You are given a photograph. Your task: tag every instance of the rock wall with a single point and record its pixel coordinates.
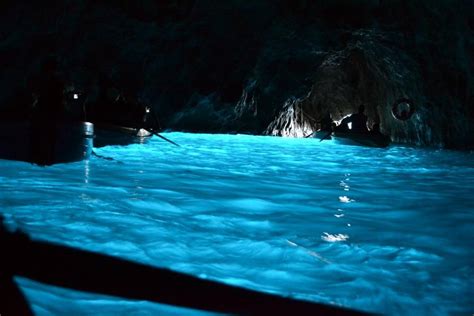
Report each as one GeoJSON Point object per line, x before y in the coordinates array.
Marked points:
{"type": "Point", "coordinates": [266, 66]}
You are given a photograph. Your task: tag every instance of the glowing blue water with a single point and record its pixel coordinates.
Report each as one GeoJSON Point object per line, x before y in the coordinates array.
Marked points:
{"type": "Point", "coordinates": [384, 230]}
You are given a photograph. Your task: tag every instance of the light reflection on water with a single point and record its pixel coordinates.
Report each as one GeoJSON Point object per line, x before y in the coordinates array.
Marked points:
{"type": "Point", "coordinates": [385, 230]}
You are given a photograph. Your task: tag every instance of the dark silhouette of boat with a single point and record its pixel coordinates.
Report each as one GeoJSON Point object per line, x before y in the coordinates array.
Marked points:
{"type": "Point", "coordinates": [46, 144]}
{"type": "Point", "coordinates": [322, 135]}
{"type": "Point", "coordinates": [369, 139]}
{"type": "Point", "coordinates": [82, 270]}
{"type": "Point", "coordinates": [361, 139]}
{"type": "Point", "coordinates": [109, 134]}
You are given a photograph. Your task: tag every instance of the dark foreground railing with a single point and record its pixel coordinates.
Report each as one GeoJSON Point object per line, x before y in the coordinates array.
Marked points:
{"type": "Point", "coordinates": [91, 272]}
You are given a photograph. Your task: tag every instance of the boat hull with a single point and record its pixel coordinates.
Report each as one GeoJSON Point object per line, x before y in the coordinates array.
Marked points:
{"type": "Point", "coordinates": [46, 145]}
{"type": "Point", "coordinates": [361, 139]}
{"type": "Point", "coordinates": [109, 135]}
{"type": "Point", "coordinates": [322, 135]}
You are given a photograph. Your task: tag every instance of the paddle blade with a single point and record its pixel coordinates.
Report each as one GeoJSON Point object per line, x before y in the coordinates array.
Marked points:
{"type": "Point", "coordinates": [164, 138]}
{"type": "Point", "coordinates": [325, 137]}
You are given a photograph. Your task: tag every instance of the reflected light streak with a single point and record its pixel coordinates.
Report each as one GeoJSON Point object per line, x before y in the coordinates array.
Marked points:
{"type": "Point", "coordinates": [345, 186]}
{"type": "Point", "coordinates": [345, 199]}
{"type": "Point", "coordinates": [87, 170]}
{"type": "Point", "coordinates": [310, 252]}
{"type": "Point", "coordinates": [334, 238]}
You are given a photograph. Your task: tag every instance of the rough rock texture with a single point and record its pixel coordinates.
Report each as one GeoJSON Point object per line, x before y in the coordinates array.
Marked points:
{"type": "Point", "coordinates": [264, 66]}
{"type": "Point", "coordinates": [292, 121]}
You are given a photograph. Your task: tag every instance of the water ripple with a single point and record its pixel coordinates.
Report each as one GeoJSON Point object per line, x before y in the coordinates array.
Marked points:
{"type": "Point", "coordinates": [383, 230]}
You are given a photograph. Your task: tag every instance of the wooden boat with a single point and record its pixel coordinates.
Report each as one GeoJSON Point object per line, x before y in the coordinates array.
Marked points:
{"type": "Point", "coordinates": [108, 134]}
{"type": "Point", "coordinates": [44, 144]}
{"type": "Point", "coordinates": [322, 135]}
{"type": "Point", "coordinates": [83, 270]}
{"type": "Point", "coordinates": [361, 139]}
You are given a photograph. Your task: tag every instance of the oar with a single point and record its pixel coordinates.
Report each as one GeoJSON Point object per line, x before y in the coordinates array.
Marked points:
{"type": "Point", "coordinates": [162, 137]}
{"type": "Point", "coordinates": [156, 133]}
{"type": "Point", "coordinates": [326, 136]}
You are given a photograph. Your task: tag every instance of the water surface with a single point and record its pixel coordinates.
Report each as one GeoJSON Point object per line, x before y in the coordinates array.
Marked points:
{"type": "Point", "coordinates": [381, 230]}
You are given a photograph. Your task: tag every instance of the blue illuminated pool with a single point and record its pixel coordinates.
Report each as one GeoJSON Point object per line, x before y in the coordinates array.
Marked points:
{"type": "Point", "coordinates": [381, 230]}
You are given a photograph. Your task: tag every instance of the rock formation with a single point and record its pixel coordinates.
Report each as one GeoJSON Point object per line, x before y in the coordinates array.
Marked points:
{"type": "Point", "coordinates": [265, 66]}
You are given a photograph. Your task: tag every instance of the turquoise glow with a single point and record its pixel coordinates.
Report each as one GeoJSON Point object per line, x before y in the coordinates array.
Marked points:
{"type": "Point", "coordinates": [382, 230]}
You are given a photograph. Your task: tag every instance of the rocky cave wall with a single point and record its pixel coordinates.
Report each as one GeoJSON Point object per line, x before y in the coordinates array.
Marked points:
{"type": "Point", "coordinates": [272, 67]}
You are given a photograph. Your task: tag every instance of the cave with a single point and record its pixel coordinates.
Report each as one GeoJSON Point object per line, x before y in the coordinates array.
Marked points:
{"type": "Point", "coordinates": [187, 157]}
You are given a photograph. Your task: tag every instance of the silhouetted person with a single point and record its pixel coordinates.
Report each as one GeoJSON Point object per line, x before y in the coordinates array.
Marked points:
{"type": "Point", "coordinates": [381, 139]}
{"type": "Point", "coordinates": [326, 123]}
{"type": "Point", "coordinates": [358, 121]}
{"type": "Point", "coordinates": [47, 113]}
{"type": "Point", "coordinates": [142, 116]}
{"type": "Point", "coordinates": [149, 120]}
